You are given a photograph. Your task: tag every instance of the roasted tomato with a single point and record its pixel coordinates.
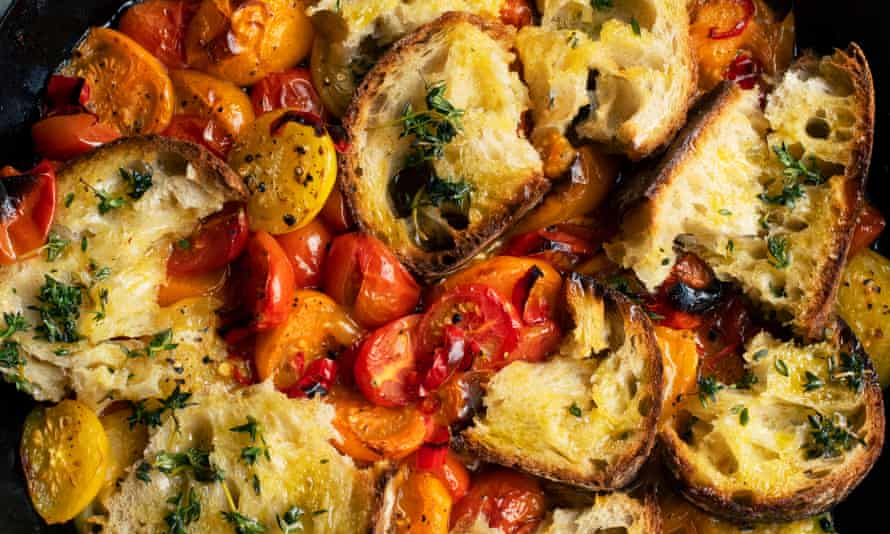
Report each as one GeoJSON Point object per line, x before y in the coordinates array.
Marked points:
{"type": "Point", "coordinates": [289, 165]}
{"type": "Point", "coordinates": [689, 292]}
{"type": "Point", "coordinates": [511, 501]}
{"type": "Point", "coordinates": [243, 41]}
{"type": "Point", "coordinates": [315, 327]}
{"type": "Point", "coordinates": [269, 289]}
{"type": "Point", "coordinates": [439, 460]}
{"type": "Point", "coordinates": [200, 130]}
{"type": "Point", "coordinates": [290, 89]}
{"type": "Point", "coordinates": [368, 279]}
{"type": "Point", "coordinates": [307, 248]}
{"type": "Point", "coordinates": [335, 213]}
{"type": "Point", "coordinates": [27, 206]}
{"type": "Point", "coordinates": [423, 503]}
{"type": "Point", "coordinates": [160, 26]}
{"type": "Point", "coordinates": [721, 337]}
{"type": "Point", "coordinates": [216, 242]}
{"type": "Point", "coordinates": [62, 137]}
{"type": "Point", "coordinates": [332, 76]}
{"type": "Point", "coordinates": [200, 95]}
{"type": "Point", "coordinates": [386, 364]}
{"type": "Point", "coordinates": [65, 95]}
{"type": "Point", "coordinates": [184, 286]}
{"type": "Point", "coordinates": [869, 226]}
{"type": "Point", "coordinates": [516, 13]}
{"type": "Point", "coordinates": [129, 88]}
{"type": "Point", "coordinates": [563, 245]}
{"type": "Point", "coordinates": [680, 357]}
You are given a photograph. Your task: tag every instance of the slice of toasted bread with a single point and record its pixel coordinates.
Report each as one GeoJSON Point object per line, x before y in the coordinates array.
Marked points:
{"type": "Point", "coordinates": [302, 469]}
{"type": "Point", "coordinates": [586, 417]}
{"type": "Point", "coordinates": [725, 193]}
{"type": "Point", "coordinates": [792, 445]}
{"type": "Point", "coordinates": [472, 57]}
{"type": "Point", "coordinates": [115, 262]}
{"type": "Point", "coordinates": [640, 56]}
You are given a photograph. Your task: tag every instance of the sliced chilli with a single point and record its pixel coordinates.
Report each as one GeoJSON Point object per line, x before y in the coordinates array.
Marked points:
{"type": "Point", "coordinates": [739, 26]}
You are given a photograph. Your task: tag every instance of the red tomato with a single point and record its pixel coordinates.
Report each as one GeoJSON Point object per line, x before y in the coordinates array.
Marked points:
{"type": "Point", "coordinates": [535, 343]}
{"type": "Point", "coordinates": [564, 245]}
{"type": "Point", "coordinates": [270, 281]}
{"type": "Point", "coordinates": [204, 131]}
{"type": "Point", "coordinates": [216, 242]}
{"type": "Point", "coordinates": [487, 319]}
{"type": "Point", "coordinates": [365, 277]}
{"type": "Point", "coordinates": [66, 95]}
{"type": "Point", "coordinates": [160, 27]}
{"type": "Point", "coordinates": [27, 206]}
{"type": "Point", "coordinates": [335, 213]}
{"type": "Point", "coordinates": [306, 249]}
{"type": "Point", "coordinates": [511, 501]}
{"type": "Point", "coordinates": [869, 226]}
{"type": "Point", "coordinates": [443, 463]}
{"type": "Point", "coordinates": [385, 368]}
{"type": "Point", "coordinates": [516, 13]}
{"type": "Point", "coordinates": [63, 137]}
{"type": "Point", "coordinates": [290, 89]}
{"type": "Point", "coordinates": [720, 338]}
{"type": "Point", "coordinates": [317, 379]}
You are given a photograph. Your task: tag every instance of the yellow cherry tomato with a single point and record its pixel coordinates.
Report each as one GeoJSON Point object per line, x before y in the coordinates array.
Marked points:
{"type": "Point", "coordinates": [289, 167]}
{"type": "Point", "coordinates": [65, 455]}
{"type": "Point", "coordinates": [211, 98]}
{"type": "Point", "coordinates": [423, 503]}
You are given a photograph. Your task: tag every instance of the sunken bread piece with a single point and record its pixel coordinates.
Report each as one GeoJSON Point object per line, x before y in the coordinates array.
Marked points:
{"type": "Point", "coordinates": [789, 442]}
{"type": "Point", "coordinates": [586, 417]}
{"type": "Point", "coordinates": [106, 261]}
{"type": "Point", "coordinates": [767, 198]}
{"type": "Point", "coordinates": [622, 75]}
{"type": "Point", "coordinates": [470, 59]}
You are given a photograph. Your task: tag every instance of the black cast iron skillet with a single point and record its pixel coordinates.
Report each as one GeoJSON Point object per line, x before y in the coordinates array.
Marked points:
{"type": "Point", "coordinates": [36, 35]}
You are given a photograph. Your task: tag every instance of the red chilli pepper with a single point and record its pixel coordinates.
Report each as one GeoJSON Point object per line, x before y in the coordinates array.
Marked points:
{"type": "Point", "coordinates": [522, 291]}
{"type": "Point", "coordinates": [744, 70]}
{"type": "Point", "coordinates": [431, 458]}
{"type": "Point", "coordinates": [740, 25]}
{"type": "Point", "coordinates": [447, 359]}
{"type": "Point", "coordinates": [66, 95]}
{"type": "Point", "coordinates": [316, 380]}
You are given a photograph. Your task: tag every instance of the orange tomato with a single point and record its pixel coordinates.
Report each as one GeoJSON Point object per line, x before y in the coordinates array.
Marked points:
{"type": "Point", "coordinates": [511, 501]}
{"type": "Point", "coordinates": [129, 88]}
{"type": "Point", "coordinates": [423, 503]}
{"type": "Point", "coordinates": [200, 130]}
{"type": "Point", "coordinates": [306, 249]}
{"type": "Point", "coordinates": [679, 355]}
{"type": "Point", "coordinates": [62, 137]}
{"type": "Point", "coordinates": [269, 288]}
{"type": "Point", "coordinates": [292, 90]}
{"type": "Point", "coordinates": [314, 324]}
{"type": "Point", "coordinates": [453, 474]}
{"type": "Point", "coordinates": [160, 26]}
{"type": "Point", "coordinates": [200, 95]}
{"type": "Point", "coordinates": [243, 41]}
{"type": "Point", "coordinates": [180, 287]}
{"type": "Point", "coordinates": [869, 226]}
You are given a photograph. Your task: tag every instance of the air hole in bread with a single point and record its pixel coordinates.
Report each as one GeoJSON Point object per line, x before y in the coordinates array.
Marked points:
{"type": "Point", "coordinates": [818, 128]}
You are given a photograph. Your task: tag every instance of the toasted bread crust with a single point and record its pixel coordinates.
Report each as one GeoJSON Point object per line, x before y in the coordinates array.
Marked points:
{"type": "Point", "coordinates": [793, 504]}
{"type": "Point", "coordinates": [429, 265]}
{"type": "Point", "coordinates": [623, 471]}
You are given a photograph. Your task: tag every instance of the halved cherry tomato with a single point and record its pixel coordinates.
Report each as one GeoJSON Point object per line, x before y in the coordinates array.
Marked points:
{"type": "Point", "coordinates": [720, 338]}
{"type": "Point", "coordinates": [65, 95]}
{"type": "Point", "coordinates": [62, 137]}
{"type": "Point", "coordinates": [386, 365]}
{"type": "Point", "coordinates": [693, 273]}
{"type": "Point", "coordinates": [487, 319]}
{"type": "Point", "coordinates": [371, 433]}
{"type": "Point", "coordinates": [535, 343]}
{"type": "Point", "coordinates": [27, 206]}
{"type": "Point", "coordinates": [269, 290]}
{"type": "Point", "coordinates": [516, 13]}
{"type": "Point", "coordinates": [563, 245]}
{"type": "Point", "coordinates": [183, 286]}
{"type": "Point", "coordinates": [306, 249]}
{"type": "Point", "coordinates": [365, 277]}
{"type": "Point", "coordinates": [449, 469]}
{"type": "Point", "coordinates": [200, 130]}
{"type": "Point", "coordinates": [216, 242]}
{"type": "Point", "coordinates": [335, 213]}
{"type": "Point", "coordinates": [290, 89]}
{"type": "Point", "coordinates": [680, 356]}
{"type": "Point", "coordinates": [511, 501]}
{"type": "Point", "coordinates": [160, 27]}
{"type": "Point", "coordinates": [423, 503]}
{"type": "Point", "coordinates": [869, 226]}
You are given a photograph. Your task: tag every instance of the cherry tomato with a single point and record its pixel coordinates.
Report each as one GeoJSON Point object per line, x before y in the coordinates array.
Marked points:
{"type": "Point", "coordinates": [216, 242]}
{"type": "Point", "coordinates": [66, 95]}
{"type": "Point", "coordinates": [869, 226]}
{"type": "Point", "coordinates": [424, 503]}
{"type": "Point", "coordinates": [695, 274]}
{"type": "Point", "coordinates": [511, 501]}
{"type": "Point", "coordinates": [204, 131]}
{"type": "Point", "coordinates": [720, 339]}
{"type": "Point", "coordinates": [270, 281]}
{"type": "Point", "coordinates": [62, 137]}
{"type": "Point", "coordinates": [306, 249]}
{"type": "Point", "coordinates": [516, 13]}
{"type": "Point", "coordinates": [487, 319]}
{"type": "Point", "coordinates": [365, 277]}
{"type": "Point", "coordinates": [443, 463]}
{"type": "Point", "coordinates": [27, 206]}
{"type": "Point", "coordinates": [563, 245]}
{"type": "Point", "coordinates": [317, 379]}
{"type": "Point", "coordinates": [160, 27]}
{"type": "Point", "coordinates": [535, 343]}
{"type": "Point", "coordinates": [335, 213]}
{"type": "Point", "coordinates": [680, 357]}
{"type": "Point", "coordinates": [385, 368]}
{"type": "Point", "coordinates": [180, 287]}
{"type": "Point", "coordinates": [291, 89]}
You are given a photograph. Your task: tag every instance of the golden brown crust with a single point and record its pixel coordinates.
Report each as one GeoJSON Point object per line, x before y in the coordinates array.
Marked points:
{"type": "Point", "coordinates": [207, 165]}
{"type": "Point", "coordinates": [429, 265]}
{"type": "Point", "coordinates": [623, 471]}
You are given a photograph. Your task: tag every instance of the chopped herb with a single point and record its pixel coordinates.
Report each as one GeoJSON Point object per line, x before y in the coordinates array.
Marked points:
{"type": "Point", "coordinates": [575, 410]}
{"type": "Point", "coordinates": [791, 192]}
{"type": "Point", "coordinates": [813, 382]}
{"type": "Point", "coordinates": [826, 524]}
{"type": "Point", "coordinates": [62, 352]}
{"type": "Point", "coordinates": [778, 250]}
{"type": "Point", "coordinates": [69, 198]}
{"type": "Point", "coordinates": [250, 454]}
{"type": "Point", "coordinates": [635, 25]}
{"type": "Point", "coordinates": [781, 368]}
{"type": "Point", "coordinates": [665, 261]}
{"type": "Point", "coordinates": [187, 510]}
{"type": "Point", "coordinates": [59, 309]}
{"type": "Point", "coordinates": [9, 355]}
{"type": "Point", "coordinates": [143, 472]}
{"type": "Point", "coordinates": [177, 400]}
{"type": "Point", "coordinates": [194, 460]}
{"type": "Point", "coordinates": [730, 246]}
{"type": "Point", "coordinates": [159, 343]}
{"type": "Point", "coordinates": [100, 274]}
{"type": "Point", "coordinates": [850, 372]}
{"type": "Point", "coordinates": [743, 417]}
{"type": "Point", "coordinates": [252, 428]}
{"type": "Point", "coordinates": [292, 520]}
{"type": "Point", "coordinates": [795, 169]}
{"type": "Point", "coordinates": [319, 512]}
{"type": "Point", "coordinates": [139, 182]}
{"type": "Point", "coordinates": [106, 203]}
{"type": "Point", "coordinates": [602, 5]}
{"type": "Point", "coordinates": [573, 40]}
{"type": "Point", "coordinates": [103, 301]}
{"type": "Point", "coordinates": [432, 129]}
{"type": "Point", "coordinates": [829, 437]}
{"type": "Point", "coordinates": [747, 381]}
{"type": "Point", "coordinates": [184, 244]}
{"type": "Point", "coordinates": [244, 524]}
{"type": "Point", "coordinates": [15, 322]}
{"type": "Point", "coordinates": [55, 246]}
{"type": "Point", "coordinates": [708, 388]}
{"type": "Point", "coordinates": [725, 212]}
{"type": "Point", "coordinates": [761, 354]}
{"type": "Point", "coordinates": [778, 291]}
{"type": "Point", "coordinates": [255, 482]}
{"type": "Point", "coordinates": [440, 191]}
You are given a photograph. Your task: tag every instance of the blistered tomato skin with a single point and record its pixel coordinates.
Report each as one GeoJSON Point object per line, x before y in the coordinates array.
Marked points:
{"type": "Point", "coordinates": [62, 137]}
{"type": "Point", "coordinates": [27, 208]}
{"type": "Point", "coordinates": [270, 285]}
{"type": "Point", "coordinates": [307, 248]}
{"type": "Point", "coordinates": [386, 365]}
{"type": "Point", "coordinates": [160, 27]}
{"type": "Point", "coordinates": [200, 95]}
{"type": "Point", "coordinates": [290, 89]}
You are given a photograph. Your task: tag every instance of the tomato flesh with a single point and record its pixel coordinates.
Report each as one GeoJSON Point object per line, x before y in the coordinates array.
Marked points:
{"type": "Point", "coordinates": [200, 130]}
{"type": "Point", "coordinates": [217, 242]}
{"type": "Point", "coordinates": [365, 277]}
{"type": "Point", "coordinates": [563, 245]}
{"type": "Point", "coordinates": [443, 463]}
{"type": "Point", "coordinates": [160, 27]}
{"type": "Point", "coordinates": [66, 95]}
{"type": "Point", "coordinates": [291, 89]}
{"type": "Point", "coordinates": [869, 226]}
{"type": "Point", "coordinates": [27, 207]}
{"type": "Point", "coordinates": [306, 249]}
{"type": "Point", "coordinates": [270, 282]}
{"type": "Point", "coordinates": [385, 367]}
{"type": "Point", "coordinates": [62, 137]}
{"type": "Point", "coordinates": [516, 13]}
{"type": "Point", "coordinates": [511, 501]}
